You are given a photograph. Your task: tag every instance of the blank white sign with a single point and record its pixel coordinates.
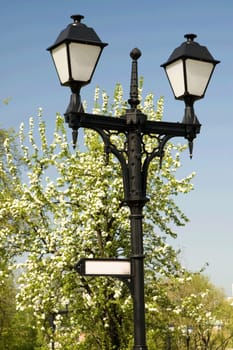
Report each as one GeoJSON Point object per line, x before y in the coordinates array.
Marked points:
{"type": "Point", "coordinates": [108, 267]}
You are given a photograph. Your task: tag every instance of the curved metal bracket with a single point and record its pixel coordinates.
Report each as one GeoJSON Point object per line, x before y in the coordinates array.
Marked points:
{"type": "Point", "coordinates": [156, 152]}
{"type": "Point", "coordinates": [109, 147]}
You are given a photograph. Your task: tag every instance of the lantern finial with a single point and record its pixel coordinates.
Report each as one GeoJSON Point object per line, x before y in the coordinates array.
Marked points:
{"type": "Point", "coordinates": [190, 37]}
{"type": "Point", "coordinates": [77, 18]}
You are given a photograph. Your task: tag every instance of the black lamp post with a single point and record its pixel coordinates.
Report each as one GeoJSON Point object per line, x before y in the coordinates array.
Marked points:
{"type": "Point", "coordinates": [52, 317]}
{"type": "Point", "coordinates": [170, 331]}
{"type": "Point", "coordinates": [188, 336]}
{"type": "Point", "coordinates": [75, 54]}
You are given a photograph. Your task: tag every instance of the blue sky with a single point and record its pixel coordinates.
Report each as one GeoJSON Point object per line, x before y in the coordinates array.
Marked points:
{"type": "Point", "coordinates": [28, 76]}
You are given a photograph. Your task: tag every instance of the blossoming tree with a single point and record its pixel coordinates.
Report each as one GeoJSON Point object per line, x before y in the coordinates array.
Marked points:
{"type": "Point", "coordinates": [68, 205]}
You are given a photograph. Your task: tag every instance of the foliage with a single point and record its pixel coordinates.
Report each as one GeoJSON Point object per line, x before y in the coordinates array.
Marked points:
{"type": "Point", "coordinates": [70, 206]}
{"type": "Point", "coordinates": [6, 100]}
{"type": "Point", "coordinates": [199, 314]}
{"type": "Point", "coordinates": [17, 331]}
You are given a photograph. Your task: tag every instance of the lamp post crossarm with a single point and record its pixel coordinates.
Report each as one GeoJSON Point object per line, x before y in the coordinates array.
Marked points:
{"type": "Point", "coordinates": [92, 121]}
{"type": "Point", "coordinates": [132, 121]}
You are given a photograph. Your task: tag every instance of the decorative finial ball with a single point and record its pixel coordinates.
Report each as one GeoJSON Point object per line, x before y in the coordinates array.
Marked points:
{"type": "Point", "coordinates": [135, 54]}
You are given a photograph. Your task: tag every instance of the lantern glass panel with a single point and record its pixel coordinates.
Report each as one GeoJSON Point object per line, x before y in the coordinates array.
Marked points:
{"type": "Point", "coordinates": [83, 59]}
{"type": "Point", "coordinates": [175, 75]}
{"type": "Point", "coordinates": [198, 75]}
{"type": "Point", "coordinates": [60, 58]}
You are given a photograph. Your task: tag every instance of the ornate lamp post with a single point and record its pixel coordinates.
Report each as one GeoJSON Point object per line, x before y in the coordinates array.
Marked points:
{"type": "Point", "coordinates": [75, 55]}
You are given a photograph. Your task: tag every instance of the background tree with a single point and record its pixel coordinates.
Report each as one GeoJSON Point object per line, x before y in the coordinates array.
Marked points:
{"type": "Point", "coordinates": [16, 328]}
{"type": "Point", "coordinates": [6, 307]}
{"type": "Point", "coordinates": [70, 206]}
{"type": "Point", "coordinates": [197, 315]}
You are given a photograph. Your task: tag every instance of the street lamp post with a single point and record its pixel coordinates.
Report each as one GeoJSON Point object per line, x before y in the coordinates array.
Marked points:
{"type": "Point", "coordinates": [170, 331]}
{"type": "Point", "coordinates": [52, 317]}
{"type": "Point", "coordinates": [188, 336]}
{"type": "Point", "coordinates": [75, 54]}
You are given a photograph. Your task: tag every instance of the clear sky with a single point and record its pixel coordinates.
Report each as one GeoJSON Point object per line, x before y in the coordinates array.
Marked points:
{"type": "Point", "coordinates": [156, 27]}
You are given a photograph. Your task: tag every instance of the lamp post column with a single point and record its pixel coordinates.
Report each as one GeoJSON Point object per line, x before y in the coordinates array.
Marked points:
{"type": "Point", "coordinates": [136, 202]}
{"type": "Point", "coordinates": [137, 259]}
{"type": "Point", "coordinates": [136, 199]}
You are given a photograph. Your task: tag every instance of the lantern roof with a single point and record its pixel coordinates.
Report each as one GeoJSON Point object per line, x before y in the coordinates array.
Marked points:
{"type": "Point", "coordinates": [191, 49]}
{"type": "Point", "coordinates": [78, 32]}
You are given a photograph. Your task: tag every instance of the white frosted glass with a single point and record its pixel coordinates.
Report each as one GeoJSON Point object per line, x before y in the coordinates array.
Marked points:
{"type": "Point", "coordinates": [198, 75]}
{"type": "Point", "coordinates": [176, 77]}
{"type": "Point", "coordinates": [83, 60]}
{"type": "Point", "coordinates": [60, 59]}
{"type": "Point", "coordinates": [104, 267]}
